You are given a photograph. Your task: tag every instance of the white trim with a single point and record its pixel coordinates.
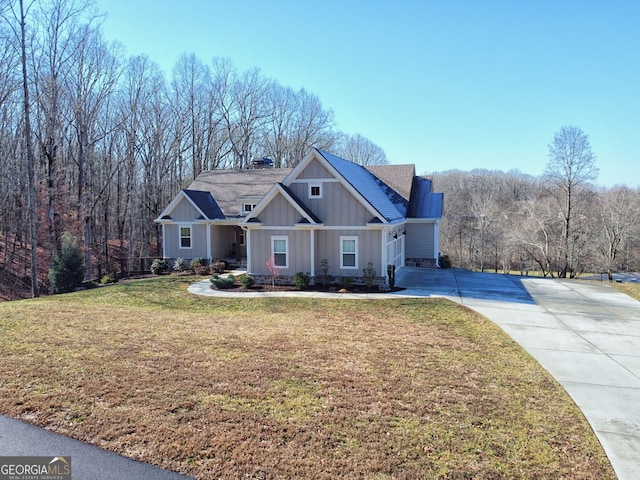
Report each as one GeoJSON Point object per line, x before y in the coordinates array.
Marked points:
{"type": "Point", "coordinates": [248, 242]}
{"type": "Point", "coordinates": [243, 207]}
{"type": "Point", "coordinates": [384, 247]}
{"type": "Point", "coordinates": [180, 237]}
{"type": "Point", "coordinates": [436, 243]}
{"type": "Point", "coordinates": [312, 253]}
{"type": "Point", "coordinates": [313, 185]}
{"type": "Point", "coordinates": [315, 153]}
{"type": "Point", "coordinates": [164, 242]}
{"type": "Point", "coordinates": [174, 203]}
{"type": "Point", "coordinates": [275, 238]}
{"type": "Point", "coordinates": [266, 200]}
{"type": "Point", "coordinates": [260, 226]}
{"type": "Point", "coordinates": [208, 227]}
{"type": "Point", "coordinates": [344, 238]}
{"type": "Point", "coordinates": [423, 220]}
{"type": "Point", "coordinates": [314, 180]}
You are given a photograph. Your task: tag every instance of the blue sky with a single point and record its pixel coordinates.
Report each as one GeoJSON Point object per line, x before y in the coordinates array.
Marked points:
{"type": "Point", "coordinates": [442, 84]}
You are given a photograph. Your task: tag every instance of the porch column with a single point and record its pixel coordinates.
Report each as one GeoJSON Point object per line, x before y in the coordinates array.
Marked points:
{"type": "Point", "coordinates": [208, 241]}
{"type": "Point", "coordinates": [312, 245]}
{"type": "Point", "coordinates": [384, 259]}
{"type": "Point", "coordinates": [436, 242]}
{"type": "Point", "coordinates": [164, 242]}
{"type": "Point", "coordinates": [247, 241]}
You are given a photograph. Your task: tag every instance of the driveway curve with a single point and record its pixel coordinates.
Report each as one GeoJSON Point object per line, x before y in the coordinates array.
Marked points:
{"type": "Point", "coordinates": [585, 333]}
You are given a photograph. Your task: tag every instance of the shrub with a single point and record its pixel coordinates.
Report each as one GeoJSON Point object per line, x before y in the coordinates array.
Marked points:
{"type": "Point", "coordinates": [369, 275]}
{"type": "Point", "coordinates": [218, 267]}
{"type": "Point", "coordinates": [67, 266]}
{"type": "Point", "coordinates": [301, 280]}
{"type": "Point", "coordinates": [324, 272]}
{"type": "Point", "coordinates": [200, 266]}
{"type": "Point", "coordinates": [180, 265]}
{"type": "Point", "coordinates": [247, 281]}
{"type": "Point", "coordinates": [346, 282]}
{"type": "Point", "coordinates": [222, 282]}
{"type": "Point", "coordinates": [109, 278]}
{"type": "Point", "coordinates": [159, 266]}
{"type": "Point", "coordinates": [444, 261]}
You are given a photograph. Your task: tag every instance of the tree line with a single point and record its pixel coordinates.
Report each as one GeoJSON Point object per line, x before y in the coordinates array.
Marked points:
{"type": "Point", "coordinates": [96, 144]}
{"type": "Point", "coordinates": [560, 223]}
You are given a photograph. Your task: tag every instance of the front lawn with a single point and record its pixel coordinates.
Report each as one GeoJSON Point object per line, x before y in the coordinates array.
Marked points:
{"type": "Point", "coordinates": [290, 388]}
{"type": "Point", "coordinates": [630, 288]}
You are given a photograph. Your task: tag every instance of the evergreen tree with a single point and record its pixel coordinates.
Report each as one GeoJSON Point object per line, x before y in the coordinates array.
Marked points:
{"type": "Point", "coordinates": [67, 267]}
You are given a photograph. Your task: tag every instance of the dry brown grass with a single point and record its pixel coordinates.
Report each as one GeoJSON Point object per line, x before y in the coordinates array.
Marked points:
{"type": "Point", "coordinates": [630, 288]}
{"type": "Point", "coordinates": [290, 388]}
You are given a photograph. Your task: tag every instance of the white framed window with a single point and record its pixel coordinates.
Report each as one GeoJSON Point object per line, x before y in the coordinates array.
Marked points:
{"type": "Point", "coordinates": [280, 250]}
{"type": "Point", "coordinates": [349, 252]}
{"type": "Point", "coordinates": [315, 190]}
{"type": "Point", "coordinates": [243, 240]}
{"type": "Point", "coordinates": [247, 208]}
{"type": "Point", "coordinates": [185, 240]}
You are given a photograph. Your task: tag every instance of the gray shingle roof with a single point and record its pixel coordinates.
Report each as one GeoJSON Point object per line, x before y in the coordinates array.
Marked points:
{"type": "Point", "coordinates": [229, 186]}
{"type": "Point", "coordinates": [388, 203]}
{"type": "Point", "coordinates": [398, 177]}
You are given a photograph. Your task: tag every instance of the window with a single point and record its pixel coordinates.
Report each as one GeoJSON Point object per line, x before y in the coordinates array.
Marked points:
{"type": "Point", "coordinates": [349, 252]}
{"type": "Point", "coordinates": [315, 190]}
{"type": "Point", "coordinates": [185, 237]}
{"type": "Point", "coordinates": [247, 207]}
{"type": "Point", "coordinates": [242, 238]}
{"type": "Point", "coordinates": [280, 250]}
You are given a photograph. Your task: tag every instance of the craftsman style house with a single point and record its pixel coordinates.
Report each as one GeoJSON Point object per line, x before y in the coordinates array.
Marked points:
{"type": "Point", "coordinates": [327, 213]}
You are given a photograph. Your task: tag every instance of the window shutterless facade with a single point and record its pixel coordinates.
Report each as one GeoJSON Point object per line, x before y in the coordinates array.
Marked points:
{"type": "Point", "coordinates": [349, 252]}
{"type": "Point", "coordinates": [315, 190]}
{"type": "Point", "coordinates": [280, 251]}
{"type": "Point", "coordinates": [185, 236]}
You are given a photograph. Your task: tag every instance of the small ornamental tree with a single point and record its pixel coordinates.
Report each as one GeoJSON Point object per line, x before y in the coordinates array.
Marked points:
{"type": "Point", "coordinates": [369, 275]}
{"type": "Point", "coordinates": [67, 266]}
{"type": "Point", "coordinates": [272, 270]}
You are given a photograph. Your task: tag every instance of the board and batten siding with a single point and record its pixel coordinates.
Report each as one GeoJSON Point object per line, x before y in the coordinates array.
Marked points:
{"type": "Point", "coordinates": [420, 240]}
{"type": "Point", "coordinates": [369, 248]}
{"type": "Point", "coordinates": [315, 170]}
{"type": "Point", "coordinates": [338, 206]}
{"type": "Point", "coordinates": [279, 212]}
{"type": "Point", "coordinates": [198, 241]}
{"type": "Point", "coordinates": [184, 211]}
{"type": "Point", "coordinates": [298, 241]}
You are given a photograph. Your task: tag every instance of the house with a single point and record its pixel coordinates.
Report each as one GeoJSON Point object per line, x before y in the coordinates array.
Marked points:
{"type": "Point", "coordinates": [327, 211]}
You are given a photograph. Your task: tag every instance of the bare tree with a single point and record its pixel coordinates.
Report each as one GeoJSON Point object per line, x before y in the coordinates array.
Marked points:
{"type": "Point", "coordinates": [618, 218]}
{"type": "Point", "coordinates": [571, 165]}
{"type": "Point", "coordinates": [361, 150]}
{"type": "Point", "coordinates": [190, 82]}
{"type": "Point", "coordinates": [20, 15]}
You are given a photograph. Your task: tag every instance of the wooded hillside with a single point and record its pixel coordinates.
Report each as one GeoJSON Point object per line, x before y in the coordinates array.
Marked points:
{"type": "Point", "coordinates": [96, 144]}
{"type": "Point", "coordinates": [497, 221]}
{"type": "Point", "coordinates": [112, 139]}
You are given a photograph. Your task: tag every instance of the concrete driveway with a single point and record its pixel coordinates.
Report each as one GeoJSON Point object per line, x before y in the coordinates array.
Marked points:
{"type": "Point", "coordinates": [585, 333]}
